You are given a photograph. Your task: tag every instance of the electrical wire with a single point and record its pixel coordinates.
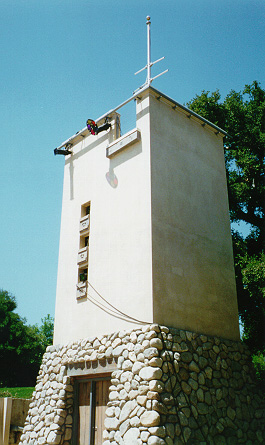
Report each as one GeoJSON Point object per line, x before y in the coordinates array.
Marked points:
{"type": "Point", "coordinates": [115, 312]}
{"type": "Point", "coordinates": [112, 310]}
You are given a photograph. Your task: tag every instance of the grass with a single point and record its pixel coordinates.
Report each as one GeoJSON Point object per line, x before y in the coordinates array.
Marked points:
{"type": "Point", "coordinates": [17, 393]}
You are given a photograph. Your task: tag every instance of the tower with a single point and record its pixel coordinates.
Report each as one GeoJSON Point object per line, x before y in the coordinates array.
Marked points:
{"type": "Point", "coordinates": [146, 326]}
{"type": "Point", "coordinates": [145, 225]}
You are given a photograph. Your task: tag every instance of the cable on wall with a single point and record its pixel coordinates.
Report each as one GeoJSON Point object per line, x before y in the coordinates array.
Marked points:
{"type": "Point", "coordinates": [112, 310]}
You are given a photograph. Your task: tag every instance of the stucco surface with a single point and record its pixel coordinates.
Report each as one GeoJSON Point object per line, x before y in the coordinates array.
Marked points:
{"type": "Point", "coordinates": [193, 272]}
{"type": "Point", "coordinates": [120, 266]}
{"type": "Point", "coordinates": [160, 245]}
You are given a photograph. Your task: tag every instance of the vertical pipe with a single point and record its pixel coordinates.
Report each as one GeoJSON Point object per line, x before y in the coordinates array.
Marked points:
{"type": "Point", "coordinates": [148, 51]}
{"type": "Point", "coordinates": [92, 412]}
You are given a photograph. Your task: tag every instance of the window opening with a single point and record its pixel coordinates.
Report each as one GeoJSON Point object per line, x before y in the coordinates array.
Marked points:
{"type": "Point", "coordinates": [83, 252]}
{"type": "Point", "coordinates": [85, 209]}
{"type": "Point", "coordinates": [83, 275]}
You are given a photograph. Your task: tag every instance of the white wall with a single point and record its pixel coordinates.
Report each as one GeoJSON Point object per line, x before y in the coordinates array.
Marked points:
{"type": "Point", "coordinates": [193, 272]}
{"type": "Point", "coordinates": [120, 236]}
{"type": "Point", "coordinates": [160, 244]}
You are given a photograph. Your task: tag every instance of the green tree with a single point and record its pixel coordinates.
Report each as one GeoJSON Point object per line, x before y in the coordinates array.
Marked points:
{"type": "Point", "coordinates": [46, 330]}
{"type": "Point", "coordinates": [21, 346]}
{"type": "Point", "coordinates": [242, 116]}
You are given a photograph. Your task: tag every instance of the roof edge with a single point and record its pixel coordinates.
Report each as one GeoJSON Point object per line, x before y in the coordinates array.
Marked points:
{"type": "Point", "coordinates": [84, 131]}
{"type": "Point", "coordinates": [188, 111]}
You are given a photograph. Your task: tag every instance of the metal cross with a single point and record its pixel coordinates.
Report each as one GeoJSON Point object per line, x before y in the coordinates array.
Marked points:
{"type": "Point", "coordinates": [149, 64]}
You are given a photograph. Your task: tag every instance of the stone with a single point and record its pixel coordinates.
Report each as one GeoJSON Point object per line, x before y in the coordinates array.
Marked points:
{"type": "Point", "coordinates": [141, 400]}
{"type": "Point", "coordinates": [156, 385]}
{"type": "Point", "coordinates": [159, 407]}
{"type": "Point", "coordinates": [231, 413]}
{"type": "Point", "coordinates": [194, 367]}
{"type": "Point", "coordinates": [131, 436]}
{"type": "Point", "coordinates": [152, 440]}
{"type": "Point", "coordinates": [132, 356]}
{"type": "Point", "coordinates": [110, 412]}
{"type": "Point", "coordinates": [159, 431]}
{"type": "Point", "coordinates": [186, 357]}
{"type": "Point", "coordinates": [193, 384]}
{"type": "Point", "coordinates": [170, 429]}
{"type": "Point", "coordinates": [150, 373]}
{"type": "Point", "coordinates": [126, 410]}
{"type": "Point", "coordinates": [114, 395]}
{"type": "Point", "coordinates": [150, 353]}
{"type": "Point", "coordinates": [156, 343]}
{"type": "Point", "coordinates": [203, 362]}
{"type": "Point", "coordinates": [126, 376]}
{"type": "Point", "coordinates": [170, 384]}
{"type": "Point", "coordinates": [208, 398]}
{"type": "Point", "coordinates": [183, 419]}
{"type": "Point", "coordinates": [150, 418]}
{"type": "Point", "coordinates": [153, 395]}
{"type": "Point", "coordinates": [127, 365]}
{"type": "Point", "coordinates": [187, 434]}
{"type": "Point", "coordinates": [144, 436]}
{"type": "Point", "coordinates": [156, 361]}
{"type": "Point", "coordinates": [124, 427]}
{"type": "Point", "coordinates": [135, 421]}
{"type": "Point", "coordinates": [183, 374]}
{"type": "Point", "coordinates": [68, 434]}
{"type": "Point", "coordinates": [133, 337]}
{"type": "Point", "coordinates": [209, 372]}
{"type": "Point", "coordinates": [143, 389]}
{"type": "Point", "coordinates": [39, 426]}
{"type": "Point", "coordinates": [202, 408]}
{"type": "Point", "coordinates": [118, 351]}
{"type": "Point", "coordinates": [111, 423]}
{"type": "Point", "coordinates": [133, 394]}
{"type": "Point", "coordinates": [53, 438]}
{"type": "Point", "coordinates": [201, 379]}
{"type": "Point", "coordinates": [137, 366]}
{"type": "Point", "coordinates": [185, 387]}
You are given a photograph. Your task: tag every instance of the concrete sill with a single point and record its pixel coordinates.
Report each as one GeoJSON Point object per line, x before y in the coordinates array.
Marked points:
{"type": "Point", "coordinates": [123, 142]}
{"type": "Point", "coordinates": [84, 223]}
{"type": "Point", "coordinates": [82, 255]}
{"type": "Point", "coordinates": [81, 291]}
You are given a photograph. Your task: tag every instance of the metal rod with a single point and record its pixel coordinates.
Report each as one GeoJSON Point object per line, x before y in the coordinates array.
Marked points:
{"type": "Point", "coordinates": [148, 51]}
{"type": "Point", "coordinates": [158, 60]}
{"type": "Point", "coordinates": [159, 75]}
{"type": "Point", "coordinates": [136, 93]}
{"type": "Point", "coordinates": [142, 69]}
{"type": "Point", "coordinates": [92, 412]}
{"type": "Point", "coordinates": [85, 130]}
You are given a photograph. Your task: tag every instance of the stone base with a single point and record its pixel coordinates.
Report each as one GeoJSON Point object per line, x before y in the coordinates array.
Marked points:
{"type": "Point", "coordinates": [168, 387]}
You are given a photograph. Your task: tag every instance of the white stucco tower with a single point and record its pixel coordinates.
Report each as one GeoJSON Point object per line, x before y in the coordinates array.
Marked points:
{"type": "Point", "coordinates": [145, 232]}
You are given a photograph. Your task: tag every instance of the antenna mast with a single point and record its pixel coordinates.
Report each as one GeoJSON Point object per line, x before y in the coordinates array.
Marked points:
{"type": "Point", "coordinates": [149, 64]}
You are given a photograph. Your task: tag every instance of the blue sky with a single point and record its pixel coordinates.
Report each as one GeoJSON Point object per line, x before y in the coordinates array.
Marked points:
{"type": "Point", "coordinates": [63, 61]}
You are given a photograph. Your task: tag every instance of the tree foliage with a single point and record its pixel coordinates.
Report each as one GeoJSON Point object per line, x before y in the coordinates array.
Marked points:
{"type": "Point", "coordinates": [242, 116]}
{"type": "Point", "coordinates": [21, 346]}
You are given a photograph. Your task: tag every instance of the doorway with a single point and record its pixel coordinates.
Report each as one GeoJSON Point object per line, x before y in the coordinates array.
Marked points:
{"type": "Point", "coordinates": [90, 403]}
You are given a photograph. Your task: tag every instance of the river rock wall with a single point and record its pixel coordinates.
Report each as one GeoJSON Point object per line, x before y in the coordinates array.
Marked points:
{"type": "Point", "coordinates": [169, 387]}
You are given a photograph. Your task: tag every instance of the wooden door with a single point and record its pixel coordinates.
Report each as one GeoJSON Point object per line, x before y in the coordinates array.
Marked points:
{"type": "Point", "coordinates": [102, 398]}
{"type": "Point", "coordinates": [93, 396]}
{"type": "Point", "coordinates": [84, 413]}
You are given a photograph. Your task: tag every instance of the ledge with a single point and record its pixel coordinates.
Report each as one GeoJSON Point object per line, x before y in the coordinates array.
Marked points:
{"type": "Point", "coordinates": [123, 142]}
